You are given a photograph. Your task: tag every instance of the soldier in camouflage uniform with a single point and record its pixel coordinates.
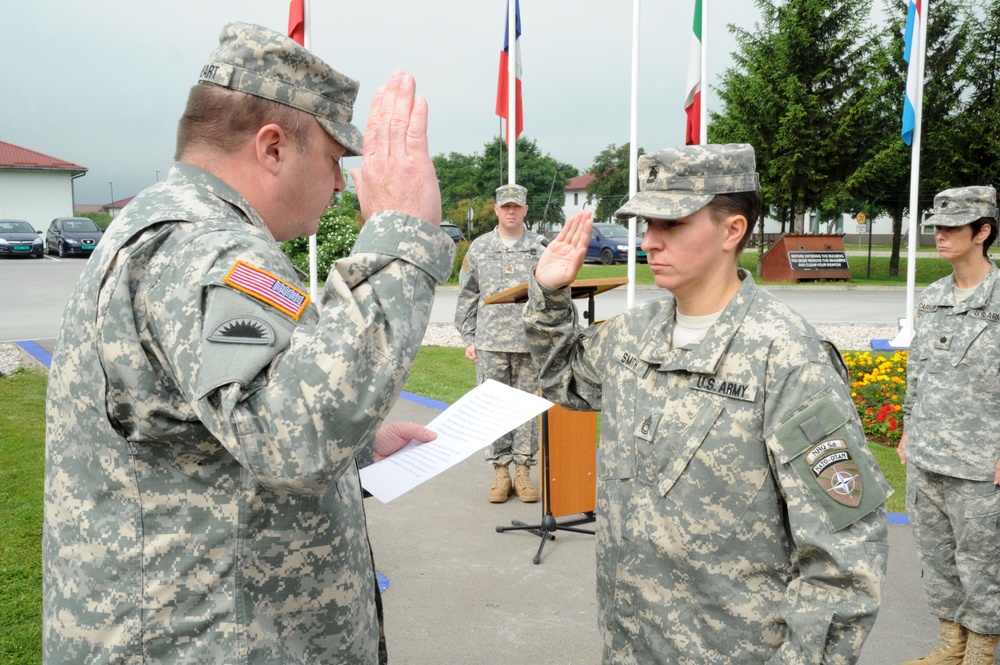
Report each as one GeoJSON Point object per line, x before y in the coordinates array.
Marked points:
{"type": "Point", "coordinates": [494, 337]}
{"type": "Point", "coordinates": [951, 441]}
{"type": "Point", "coordinates": [741, 516]}
{"type": "Point", "coordinates": [202, 501]}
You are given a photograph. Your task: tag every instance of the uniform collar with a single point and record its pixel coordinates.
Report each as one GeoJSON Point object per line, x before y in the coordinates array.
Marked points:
{"type": "Point", "coordinates": [980, 298]}
{"type": "Point", "coordinates": [706, 356]}
{"type": "Point", "coordinates": [185, 174]}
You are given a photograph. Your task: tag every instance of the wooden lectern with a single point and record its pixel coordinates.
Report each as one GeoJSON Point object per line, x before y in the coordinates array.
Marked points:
{"type": "Point", "coordinates": [568, 441]}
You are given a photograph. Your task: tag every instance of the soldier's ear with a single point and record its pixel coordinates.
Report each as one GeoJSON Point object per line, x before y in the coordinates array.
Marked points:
{"type": "Point", "coordinates": [270, 147]}
{"type": "Point", "coordinates": [736, 228]}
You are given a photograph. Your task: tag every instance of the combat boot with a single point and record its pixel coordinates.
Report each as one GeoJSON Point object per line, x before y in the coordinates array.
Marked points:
{"type": "Point", "coordinates": [523, 488]}
{"type": "Point", "coordinates": [979, 649]}
{"type": "Point", "coordinates": [950, 648]}
{"type": "Point", "coordinates": [501, 484]}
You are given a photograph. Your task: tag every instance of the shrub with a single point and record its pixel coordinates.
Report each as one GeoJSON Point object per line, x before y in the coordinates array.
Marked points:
{"type": "Point", "coordinates": [337, 233]}
{"type": "Point", "coordinates": [878, 387]}
{"type": "Point", "coordinates": [461, 248]}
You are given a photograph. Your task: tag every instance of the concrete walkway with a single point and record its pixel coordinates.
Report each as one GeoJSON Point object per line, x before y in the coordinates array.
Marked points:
{"type": "Point", "coordinates": [462, 593]}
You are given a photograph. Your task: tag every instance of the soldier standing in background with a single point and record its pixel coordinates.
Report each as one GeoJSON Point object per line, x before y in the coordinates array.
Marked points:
{"type": "Point", "coordinates": [740, 514]}
{"type": "Point", "coordinates": [951, 443]}
{"type": "Point", "coordinates": [494, 337]}
{"type": "Point", "coordinates": [202, 501]}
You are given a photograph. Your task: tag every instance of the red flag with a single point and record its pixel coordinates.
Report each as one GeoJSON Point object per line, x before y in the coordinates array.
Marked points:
{"type": "Point", "coordinates": [297, 21]}
{"type": "Point", "coordinates": [692, 104]}
{"type": "Point", "coordinates": [502, 100]}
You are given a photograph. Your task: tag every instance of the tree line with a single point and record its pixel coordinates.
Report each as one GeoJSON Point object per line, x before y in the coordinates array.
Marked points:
{"type": "Point", "coordinates": [817, 88]}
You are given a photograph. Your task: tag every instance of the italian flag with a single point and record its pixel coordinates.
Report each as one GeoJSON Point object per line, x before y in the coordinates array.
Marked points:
{"type": "Point", "coordinates": [692, 104]}
{"type": "Point", "coordinates": [297, 21]}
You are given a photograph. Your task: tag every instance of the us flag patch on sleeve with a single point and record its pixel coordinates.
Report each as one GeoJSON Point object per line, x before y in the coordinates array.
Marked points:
{"type": "Point", "coordinates": [267, 288]}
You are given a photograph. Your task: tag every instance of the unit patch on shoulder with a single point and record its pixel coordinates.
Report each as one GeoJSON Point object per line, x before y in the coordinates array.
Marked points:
{"type": "Point", "coordinates": [836, 471]}
{"type": "Point", "coordinates": [267, 288]}
{"type": "Point", "coordinates": [243, 330]}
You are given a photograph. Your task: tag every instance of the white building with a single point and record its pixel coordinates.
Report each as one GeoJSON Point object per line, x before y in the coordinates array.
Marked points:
{"type": "Point", "coordinates": [576, 197]}
{"type": "Point", "coordinates": [35, 187]}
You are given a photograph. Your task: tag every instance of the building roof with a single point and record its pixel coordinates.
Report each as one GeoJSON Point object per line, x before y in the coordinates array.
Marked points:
{"type": "Point", "coordinates": [119, 204]}
{"type": "Point", "coordinates": [580, 182]}
{"type": "Point", "coordinates": [88, 207]}
{"type": "Point", "coordinates": [15, 157]}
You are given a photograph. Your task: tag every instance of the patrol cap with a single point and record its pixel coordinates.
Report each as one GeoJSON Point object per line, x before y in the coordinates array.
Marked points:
{"type": "Point", "coordinates": [677, 182]}
{"type": "Point", "coordinates": [963, 205]}
{"type": "Point", "coordinates": [264, 63]}
{"type": "Point", "coordinates": [512, 194]}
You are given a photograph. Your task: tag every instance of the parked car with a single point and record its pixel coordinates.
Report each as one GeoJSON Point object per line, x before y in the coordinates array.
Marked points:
{"type": "Point", "coordinates": [72, 235]}
{"type": "Point", "coordinates": [19, 238]}
{"type": "Point", "coordinates": [609, 244]}
{"type": "Point", "coordinates": [453, 231]}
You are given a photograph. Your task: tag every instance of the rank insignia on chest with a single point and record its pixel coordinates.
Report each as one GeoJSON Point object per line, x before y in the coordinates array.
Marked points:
{"type": "Point", "coordinates": [836, 471]}
{"type": "Point", "coordinates": [267, 288]}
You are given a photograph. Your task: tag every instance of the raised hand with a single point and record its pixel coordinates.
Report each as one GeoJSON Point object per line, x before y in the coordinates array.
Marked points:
{"type": "Point", "coordinates": [563, 258]}
{"type": "Point", "coordinates": [396, 170]}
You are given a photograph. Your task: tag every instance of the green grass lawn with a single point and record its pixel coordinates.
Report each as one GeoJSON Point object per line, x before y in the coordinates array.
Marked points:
{"type": "Point", "coordinates": [929, 269]}
{"type": "Point", "coordinates": [22, 449]}
{"type": "Point", "coordinates": [440, 373]}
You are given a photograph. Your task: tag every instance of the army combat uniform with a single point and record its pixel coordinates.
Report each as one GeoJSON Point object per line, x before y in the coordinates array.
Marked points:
{"type": "Point", "coordinates": [489, 268]}
{"type": "Point", "coordinates": [952, 447]}
{"type": "Point", "coordinates": [740, 514]}
{"type": "Point", "coordinates": [202, 501]}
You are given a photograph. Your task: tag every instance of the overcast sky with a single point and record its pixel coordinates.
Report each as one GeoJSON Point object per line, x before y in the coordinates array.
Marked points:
{"type": "Point", "coordinates": [102, 83]}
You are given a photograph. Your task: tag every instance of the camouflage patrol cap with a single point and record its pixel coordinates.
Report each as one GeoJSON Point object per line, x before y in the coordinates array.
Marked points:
{"type": "Point", "coordinates": [963, 205]}
{"type": "Point", "coordinates": [264, 63]}
{"type": "Point", "coordinates": [512, 194]}
{"type": "Point", "coordinates": [677, 182]}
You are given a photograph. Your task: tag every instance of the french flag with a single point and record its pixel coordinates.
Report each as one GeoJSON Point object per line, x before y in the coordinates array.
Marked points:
{"type": "Point", "coordinates": [914, 17]}
{"type": "Point", "coordinates": [502, 91]}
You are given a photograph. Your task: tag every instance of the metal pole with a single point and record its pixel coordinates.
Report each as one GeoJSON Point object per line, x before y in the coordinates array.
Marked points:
{"type": "Point", "coordinates": [633, 157]}
{"type": "Point", "coordinates": [313, 262]}
{"type": "Point", "coordinates": [511, 93]}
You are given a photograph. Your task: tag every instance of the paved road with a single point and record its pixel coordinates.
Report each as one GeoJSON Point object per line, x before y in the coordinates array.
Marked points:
{"type": "Point", "coordinates": [818, 304]}
{"type": "Point", "coordinates": [35, 293]}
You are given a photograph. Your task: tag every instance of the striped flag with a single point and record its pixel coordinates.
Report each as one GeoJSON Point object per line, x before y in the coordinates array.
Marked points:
{"type": "Point", "coordinates": [502, 91]}
{"type": "Point", "coordinates": [267, 288]}
{"type": "Point", "coordinates": [692, 104]}
{"type": "Point", "coordinates": [914, 17]}
{"type": "Point", "coordinates": [297, 21]}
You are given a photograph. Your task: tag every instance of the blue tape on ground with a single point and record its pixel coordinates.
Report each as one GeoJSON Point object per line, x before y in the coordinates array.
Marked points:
{"type": "Point", "coordinates": [898, 518]}
{"type": "Point", "coordinates": [37, 352]}
{"type": "Point", "coordinates": [884, 345]}
{"type": "Point", "coordinates": [424, 401]}
{"type": "Point", "coordinates": [383, 581]}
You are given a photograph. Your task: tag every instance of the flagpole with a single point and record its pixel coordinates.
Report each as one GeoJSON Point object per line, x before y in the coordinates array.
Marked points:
{"type": "Point", "coordinates": [313, 270]}
{"type": "Point", "coordinates": [633, 153]}
{"type": "Point", "coordinates": [511, 92]}
{"type": "Point", "coordinates": [905, 335]}
{"type": "Point", "coordinates": [703, 111]}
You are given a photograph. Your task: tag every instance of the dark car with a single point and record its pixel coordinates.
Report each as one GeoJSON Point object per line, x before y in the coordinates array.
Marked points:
{"type": "Point", "coordinates": [72, 235]}
{"type": "Point", "coordinates": [609, 244]}
{"type": "Point", "coordinates": [19, 238]}
{"type": "Point", "coordinates": [453, 231]}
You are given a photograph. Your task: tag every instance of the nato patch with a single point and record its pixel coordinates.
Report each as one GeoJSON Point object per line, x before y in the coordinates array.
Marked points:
{"type": "Point", "coordinates": [243, 330]}
{"type": "Point", "coordinates": [836, 471]}
{"type": "Point", "coordinates": [267, 288]}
